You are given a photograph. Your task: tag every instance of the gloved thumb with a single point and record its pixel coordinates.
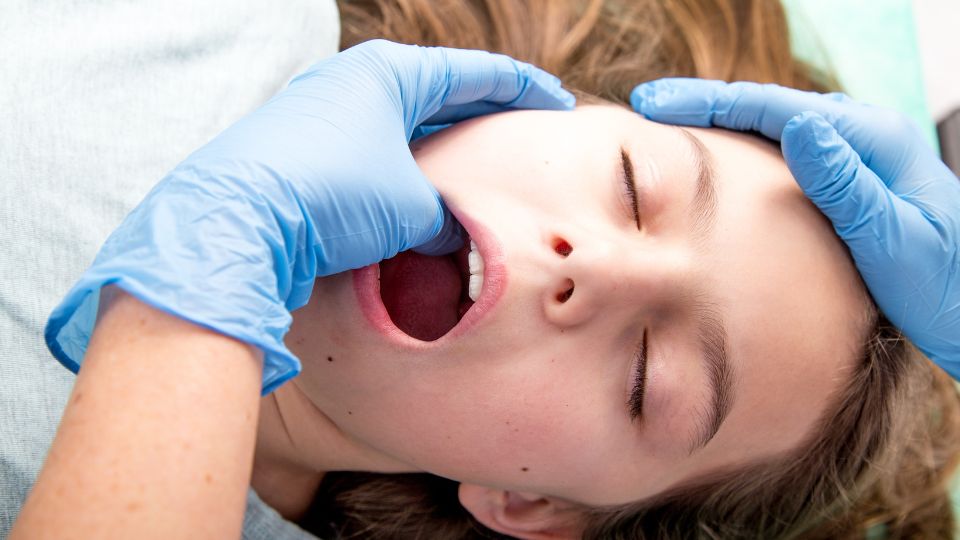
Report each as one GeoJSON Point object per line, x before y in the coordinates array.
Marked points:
{"type": "Point", "coordinates": [447, 240]}
{"type": "Point", "coordinates": [834, 177]}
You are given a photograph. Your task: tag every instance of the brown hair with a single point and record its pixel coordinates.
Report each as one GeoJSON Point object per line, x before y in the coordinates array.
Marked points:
{"type": "Point", "coordinates": [882, 456]}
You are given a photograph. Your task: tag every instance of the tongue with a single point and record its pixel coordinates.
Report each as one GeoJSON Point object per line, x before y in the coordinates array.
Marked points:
{"type": "Point", "coordinates": [421, 293]}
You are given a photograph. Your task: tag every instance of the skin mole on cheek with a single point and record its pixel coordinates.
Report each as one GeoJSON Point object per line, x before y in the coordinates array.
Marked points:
{"type": "Point", "coordinates": [349, 412]}
{"type": "Point", "coordinates": [524, 469]}
{"type": "Point", "coordinates": [329, 359]}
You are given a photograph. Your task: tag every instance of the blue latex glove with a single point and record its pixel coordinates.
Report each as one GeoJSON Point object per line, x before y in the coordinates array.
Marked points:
{"type": "Point", "coordinates": [317, 181]}
{"type": "Point", "coordinates": [890, 198]}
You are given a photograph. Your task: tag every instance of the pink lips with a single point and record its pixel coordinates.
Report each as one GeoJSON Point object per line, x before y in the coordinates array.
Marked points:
{"type": "Point", "coordinates": [366, 284]}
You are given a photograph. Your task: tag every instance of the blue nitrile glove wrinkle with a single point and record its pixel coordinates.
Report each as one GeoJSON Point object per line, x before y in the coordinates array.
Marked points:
{"type": "Point", "coordinates": [869, 170]}
{"type": "Point", "coordinates": [317, 181]}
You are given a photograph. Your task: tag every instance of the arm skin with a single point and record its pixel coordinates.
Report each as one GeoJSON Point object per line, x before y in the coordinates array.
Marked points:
{"type": "Point", "coordinates": [157, 438]}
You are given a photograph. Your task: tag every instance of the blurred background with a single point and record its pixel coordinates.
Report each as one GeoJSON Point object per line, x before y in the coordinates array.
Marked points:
{"type": "Point", "coordinates": [938, 25]}
{"type": "Point", "coordinates": [899, 53]}
{"type": "Point", "coordinates": [938, 22]}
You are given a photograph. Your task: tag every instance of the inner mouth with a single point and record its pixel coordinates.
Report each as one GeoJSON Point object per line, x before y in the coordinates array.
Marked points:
{"type": "Point", "coordinates": [426, 296]}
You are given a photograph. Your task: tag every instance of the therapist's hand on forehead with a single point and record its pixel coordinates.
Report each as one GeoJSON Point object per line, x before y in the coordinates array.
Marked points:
{"type": "Point", "coordinates": [319, 180]}
{"type": "Point", "coordinates": [890, 198]}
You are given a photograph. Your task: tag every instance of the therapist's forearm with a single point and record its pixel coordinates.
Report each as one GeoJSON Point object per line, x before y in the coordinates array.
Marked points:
{"type": "Point", "coordinates": [157, 438]}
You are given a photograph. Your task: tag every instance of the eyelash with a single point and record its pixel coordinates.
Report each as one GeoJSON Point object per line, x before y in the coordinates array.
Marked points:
{"type": "Point", "coordinates": [629, 191]}
{"type": "Point", "coordinates": [635, 402]}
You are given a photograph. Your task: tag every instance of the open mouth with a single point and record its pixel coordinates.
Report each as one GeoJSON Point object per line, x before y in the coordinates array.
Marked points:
{"type": "Point", "coordinates": [427, 296]}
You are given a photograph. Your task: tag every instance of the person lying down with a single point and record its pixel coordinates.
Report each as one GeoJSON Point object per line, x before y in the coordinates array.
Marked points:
{"type": "Point", "coordinates": [650, 333]}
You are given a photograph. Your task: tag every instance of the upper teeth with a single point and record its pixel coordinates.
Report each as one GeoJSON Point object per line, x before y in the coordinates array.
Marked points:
{"type": "Point", "coordinates": [475, 262]}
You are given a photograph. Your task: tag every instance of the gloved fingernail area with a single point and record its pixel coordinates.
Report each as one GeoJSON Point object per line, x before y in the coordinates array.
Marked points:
{"type": "Point", "coordinates": [450, 238]}
{"type": "Point", "coordinates": [808, 136]}
{"type": "Point", "coordinates": [554, 85]}
{"type": "Point", "coordinates": [643, 97]}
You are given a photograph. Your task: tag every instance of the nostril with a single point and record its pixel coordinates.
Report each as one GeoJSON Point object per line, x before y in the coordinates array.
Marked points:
{"type": "Point", "coordinates": [562, 247]}
{"type": "Point", "coordinates": [567, 293]}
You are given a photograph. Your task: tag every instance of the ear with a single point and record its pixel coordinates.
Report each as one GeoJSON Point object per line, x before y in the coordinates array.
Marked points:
{"type": "Point", "coordinates": [522, 515]}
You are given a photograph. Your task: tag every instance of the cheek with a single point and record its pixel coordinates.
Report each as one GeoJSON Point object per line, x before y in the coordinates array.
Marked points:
{"type": "Point", "coordinates": [472, 169]}
{"type": "Point", "coordinates": [512, 421]}
{"type": "Point", "coordinates": [464, 162]}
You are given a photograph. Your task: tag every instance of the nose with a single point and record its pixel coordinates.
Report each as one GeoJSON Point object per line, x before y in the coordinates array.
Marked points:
{"type": "Point", "coordinates": [589, 275]}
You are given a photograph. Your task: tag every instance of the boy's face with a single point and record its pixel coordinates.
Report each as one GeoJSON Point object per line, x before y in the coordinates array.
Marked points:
{"type": "Point", "coordinates": [747, 306]}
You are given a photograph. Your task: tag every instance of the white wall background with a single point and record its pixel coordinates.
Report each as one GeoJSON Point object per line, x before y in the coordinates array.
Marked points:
{"type": "Point", "coordinates": [938, 34]}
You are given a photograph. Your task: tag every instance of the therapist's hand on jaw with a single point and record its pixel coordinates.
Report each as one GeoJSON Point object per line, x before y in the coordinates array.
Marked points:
{"type": "Point", "coordinates": [890, 198]}
{"type": "Point", "coordinates": [319, 180]}
{"type": "Point", "coordinates": [158, 437]}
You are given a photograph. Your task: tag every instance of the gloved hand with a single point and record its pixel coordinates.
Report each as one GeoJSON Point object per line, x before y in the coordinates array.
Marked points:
{"type": "Point", "coordinates": [890, 198]}
{"type": "Point", "coordinates": [317, 181]}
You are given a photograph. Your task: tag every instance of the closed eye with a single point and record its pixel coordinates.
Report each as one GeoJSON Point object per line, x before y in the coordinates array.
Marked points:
{"type": "Point", "coordinates": [630, 186]}
{"type": "Point", "coordinates": [639, 379]}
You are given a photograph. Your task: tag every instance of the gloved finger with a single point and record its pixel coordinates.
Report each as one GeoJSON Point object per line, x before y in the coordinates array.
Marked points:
{"type": "Point", "coordinates": [870, 218]}
{"type": "Point", "coordinates": [905, 255]}
{"type": "Point", "coordinates": [743, 106]}
{"type": "Point", "coordinates": [427, 129]}
{"type": "Point", "coordinates": [418, 218]}
{"type": "Point", "coordinates": [449, 239]}
{"type": "Point", "coordinates": [454, 113]}
{"type": "Point", "coordinates": [461, 76]}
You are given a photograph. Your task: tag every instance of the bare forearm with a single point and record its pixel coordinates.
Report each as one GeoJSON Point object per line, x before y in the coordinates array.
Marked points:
{"type": "Point", "coordinates": [157, 438]}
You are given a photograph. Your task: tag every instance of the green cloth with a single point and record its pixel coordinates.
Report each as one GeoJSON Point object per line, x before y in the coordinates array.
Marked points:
{"type": "Point", "coordinates": [870, 46]}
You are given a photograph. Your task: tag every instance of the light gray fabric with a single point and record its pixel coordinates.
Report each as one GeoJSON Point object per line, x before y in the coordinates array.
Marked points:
{"type": "Point", "coordinates": [98, 99]}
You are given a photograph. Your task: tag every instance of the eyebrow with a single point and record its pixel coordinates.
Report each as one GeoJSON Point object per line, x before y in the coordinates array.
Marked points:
{"type": "Point", "coordinates": [711, 331]}
{"type": "Point", "coordinates": [703, 208]}
{"type": "Point", "coordinates": [713, 342]}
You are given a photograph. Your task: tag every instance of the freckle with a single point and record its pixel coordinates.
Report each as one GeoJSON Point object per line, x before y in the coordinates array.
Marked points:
{"type": "Point", "coordinates": [208, 478]}
{"type": "Point", "coordinates": [329, 359]}
{"type": "Point", "coordinates": [508, 422]}
{"type": "Point", "coordinates": [349, 412]}
{"type": "Point", "coordinates": [524, 469]}
{"type": "Point", "coordinates": [516, 430]}
{"type": "Point", "coordinates": [78, 397]}
{"type": "Point", "coordinates": [298, 341]}
{"type": "Point", "coordinates": [131, 507]}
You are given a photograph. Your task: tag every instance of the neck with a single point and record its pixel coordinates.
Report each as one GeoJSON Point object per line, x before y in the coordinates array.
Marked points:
{"type": "Point", "coordinates": [281, 480]}
{"type": "Point", "coordinates": [296, 445]}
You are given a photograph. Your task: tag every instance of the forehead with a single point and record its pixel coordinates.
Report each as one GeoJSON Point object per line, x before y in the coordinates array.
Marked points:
{"type": "Point", "coordinates": [796, 309]}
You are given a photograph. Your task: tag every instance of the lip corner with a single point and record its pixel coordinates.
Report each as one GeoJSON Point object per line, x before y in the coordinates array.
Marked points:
{"type": "Point", "coordinates": [494, 273]}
